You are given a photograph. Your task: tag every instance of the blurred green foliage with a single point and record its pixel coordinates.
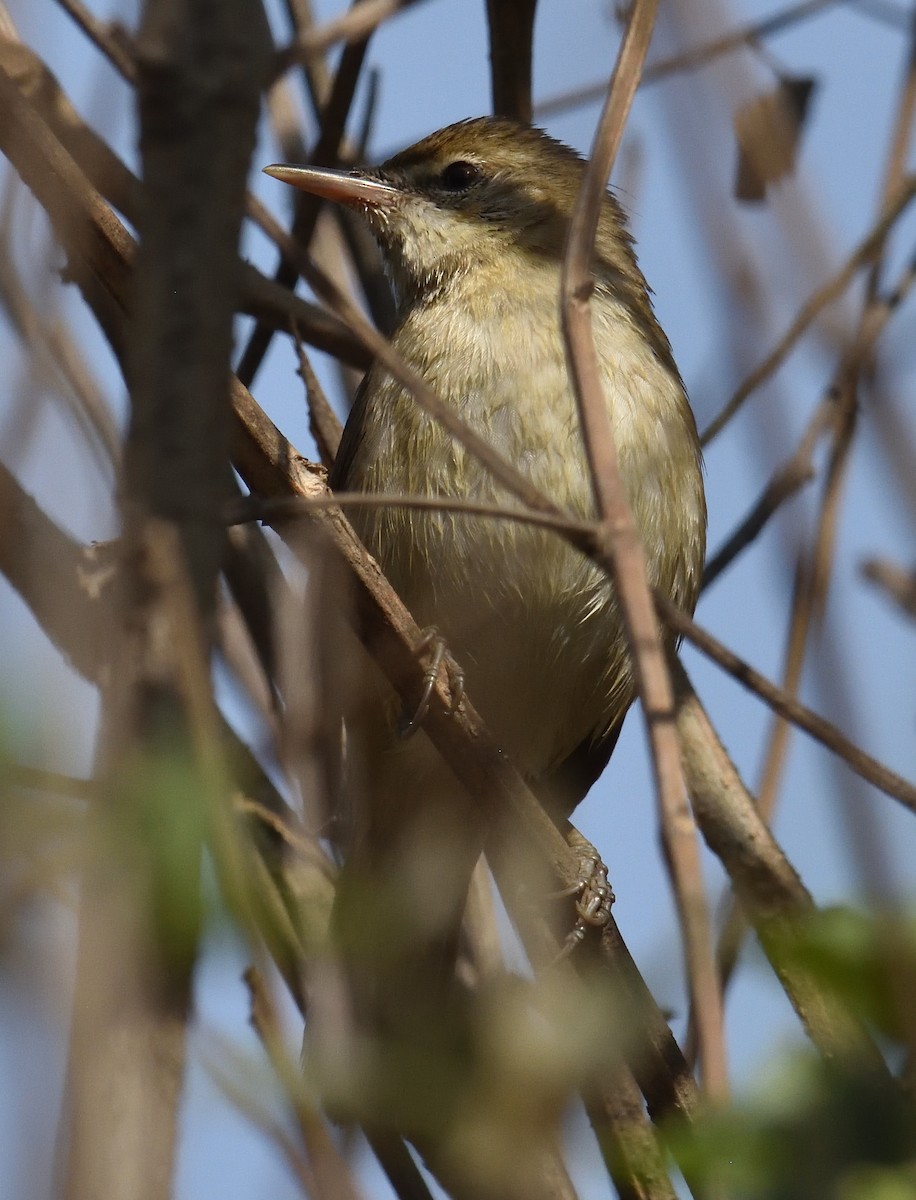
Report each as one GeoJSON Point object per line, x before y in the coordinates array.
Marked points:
{"type": "Point", "coordinates": [819, 1129]}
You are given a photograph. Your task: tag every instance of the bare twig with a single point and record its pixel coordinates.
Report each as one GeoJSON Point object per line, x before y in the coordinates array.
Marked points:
{"type": "Point", "coordinates": [359, 22]}
{"type": "Point", "coordinates": [282, 508]}
{"type": "Point", "coordinates": [102, 37]}
{"type": "Point", "coordinates": [323, 422]}
{"type": "Point", "coordinates": [828, 735]}
{"type": "Point", "coordinates": [746, 35]}
{"type": "Point", "coordinates": [625, 556]}
{"type": "Point", "coordinates": [48, 339]}
{"type": "Point", "coordinates": [331, 1177]}
{"type": "Point", "coordinates": [896, 582]}
{"type": "Point", "coordinates": [511, 33]}
{"type": "Point", "coordinates": [783, 485]}
{"type": "Point", "coordinates": [861, 256]}
{"type": "Point", "coordinates": [333, 117]}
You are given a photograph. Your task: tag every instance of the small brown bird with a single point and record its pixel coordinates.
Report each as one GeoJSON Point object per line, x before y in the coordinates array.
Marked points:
{"type": "Point", "coordinates": [472, 223]}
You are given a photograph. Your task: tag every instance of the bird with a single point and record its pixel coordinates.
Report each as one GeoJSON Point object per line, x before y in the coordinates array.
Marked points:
{"type": "Point", "coordinates": [471, 223]}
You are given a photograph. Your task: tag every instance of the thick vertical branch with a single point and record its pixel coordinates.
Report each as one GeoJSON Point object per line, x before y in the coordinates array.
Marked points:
{"type": "Point", "coordinates": [201, 65]}
{"type": "Point", "coordinates": [511, 29]}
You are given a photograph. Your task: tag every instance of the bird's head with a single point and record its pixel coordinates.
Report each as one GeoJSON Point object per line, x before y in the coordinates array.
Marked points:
{"type": "Point", "coordinates": [471, 194]}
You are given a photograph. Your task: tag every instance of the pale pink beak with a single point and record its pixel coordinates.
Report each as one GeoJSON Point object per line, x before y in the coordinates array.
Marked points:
{"type": "Point", "coordinates": [337, 185]}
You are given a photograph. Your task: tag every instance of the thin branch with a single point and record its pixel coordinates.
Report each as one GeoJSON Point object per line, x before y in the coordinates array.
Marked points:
{"type": "Point", "coordinates": [861, 256]}
{"type": "Point", "coordinates": [780, 702]}
{"type": "Point", "coordinates": [50, 341]}
{"type": "Point", "coordinates": [357, 23]}
{"type": "Point", "coordinates": [101, 35]}
{"type": "Point", "coordinates": [280, 508]}
{"type": "Point", "coordinates": [228, 1071]}
{"type": "Point", "coordinates": [39, 780]}
{"type": "Point", "coordinates": [332, 1179]}
{"type": "Point", "coordinates": [315, 70]}
{"type": "Point", "coordinates": [785, 482]}
{"type": "Point", "coordinates": [68, 587]}
{"type": "Point", "coordinates": [698, 56]}
{"type": "Point", "coordinates": [626, 559]}
{"type": "Point", "coordinates": [324, 424]}
{"type": "Point", "coordinates": [898, 584]}
{"type": "Point", "coordinates": [326, 153]}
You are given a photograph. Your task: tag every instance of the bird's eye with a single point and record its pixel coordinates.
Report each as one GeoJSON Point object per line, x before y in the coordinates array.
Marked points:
{"type": "Point", "coordinates": [459, 176]}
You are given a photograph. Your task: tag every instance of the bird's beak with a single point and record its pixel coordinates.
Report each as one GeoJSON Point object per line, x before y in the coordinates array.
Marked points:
{"type": "Point", "coordinates": [342, 186]}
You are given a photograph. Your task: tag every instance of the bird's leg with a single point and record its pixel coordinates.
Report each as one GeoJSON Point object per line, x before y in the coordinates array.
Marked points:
{"type": "Point", "coordinates": [594, 895]}
{"type": "Point", "coordinates": [433, 641]}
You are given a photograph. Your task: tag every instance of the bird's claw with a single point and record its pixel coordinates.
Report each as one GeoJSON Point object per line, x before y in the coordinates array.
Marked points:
{"type": "Point", "coordinates": [435, 643]}
{"type": "Point", "coordinates": [594, 897]}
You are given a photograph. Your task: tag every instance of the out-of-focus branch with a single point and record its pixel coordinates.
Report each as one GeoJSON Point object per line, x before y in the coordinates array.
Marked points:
{"type": "Point", "coordinates": [324, 425]}
{"type": "Point", "coordinates": [68, 587]}
{"type": "Point", "coordinates": [101, 34]}
{"type": "Point", "coordinates": [783, 485]}
{"type": "Point", "coordinates": [511, 32]}
{"type": "Point", "coordinates": [835, 413]}
{"type": "Point", "coordinates": [333, 118]}
{"type": "Point", "coordinates": [662, 1073]}
{"type": "Point", "coordinates": [331, 1178]}
{"type": "Point", "coordinates": [861, 256]}
{"type": "Point", "coordinates": [22, 776]}
{"type": "Point", "coordinates": [361, 20]}
{"type": "Point", "coordinates": [773, 896]}
{"type": "Point", "coordinates": [898, 584]}
{"type": "Point", "coordinates": [799, 469]}
{"type": "Point", "coordinates": [71, 590]}
{"type": "Point", "coordinates": [86, 226]}
{"type": "Point", "coordinates": [260, 297]}
{"type": "Point", "coordinates": [838, 409]}
{"type": "Point", "coordinates": [96, 158]}
{"type": "Point", "coordinates": [52, 345]}
{"type": "Point", "coordinates": [746, 35]}
{"type": "Point", "coordinates": [280, 309]}
{"type": "Point", "coordinates": [199, 80]}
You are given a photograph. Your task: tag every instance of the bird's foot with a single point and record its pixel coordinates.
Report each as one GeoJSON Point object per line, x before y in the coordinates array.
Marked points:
{"type": "Point", "coordinates": [594, 895]}
{"type": "Point", "coordinates": [433, 642]}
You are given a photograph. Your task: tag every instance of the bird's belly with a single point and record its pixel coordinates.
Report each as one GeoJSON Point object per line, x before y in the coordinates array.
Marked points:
{"type": "Point", "coordinates": [531, 622]}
